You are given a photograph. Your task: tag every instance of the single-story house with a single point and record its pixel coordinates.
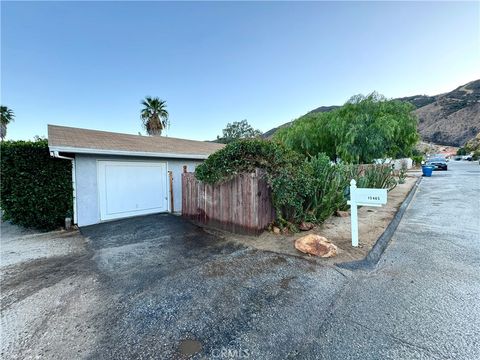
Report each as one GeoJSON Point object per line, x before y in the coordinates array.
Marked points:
{"type": "Point", "coordinates": [120, 175]}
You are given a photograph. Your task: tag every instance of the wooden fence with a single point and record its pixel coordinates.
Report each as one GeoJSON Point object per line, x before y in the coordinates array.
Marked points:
{"type": "Point", "coordinates": [241, 205]}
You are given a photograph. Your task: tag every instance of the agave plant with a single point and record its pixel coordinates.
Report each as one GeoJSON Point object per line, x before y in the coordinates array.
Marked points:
{"type": "Point", "coordinates": [154, 115]}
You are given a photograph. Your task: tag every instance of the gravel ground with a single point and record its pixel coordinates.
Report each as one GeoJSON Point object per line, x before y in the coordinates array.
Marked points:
{"type": "Point", "coordinates": [47, 293]}
{"type": "Point", "coordinates": [19, 245]}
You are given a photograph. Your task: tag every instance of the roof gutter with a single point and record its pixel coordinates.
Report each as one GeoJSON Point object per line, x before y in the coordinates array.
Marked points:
{"type": "Point", "coordinates": [76, 150]}
{"type": "Point", "coordinates": [55, 154]}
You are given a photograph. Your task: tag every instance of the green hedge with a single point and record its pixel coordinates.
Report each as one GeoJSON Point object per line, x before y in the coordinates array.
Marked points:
{"type": "Point", "coordinates": [36, 190]}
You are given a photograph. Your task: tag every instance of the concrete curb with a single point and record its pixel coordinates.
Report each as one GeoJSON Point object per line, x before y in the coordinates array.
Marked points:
{"type": "Point", "coordinates": [382, 242]}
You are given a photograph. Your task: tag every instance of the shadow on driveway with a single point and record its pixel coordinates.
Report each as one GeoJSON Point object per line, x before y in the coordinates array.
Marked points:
{"type": "Point", "coordinates": [148, 248]}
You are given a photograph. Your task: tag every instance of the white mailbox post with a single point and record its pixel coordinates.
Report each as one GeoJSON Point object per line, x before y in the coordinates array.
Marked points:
{"type": "Point", "coordinates": [363, 197]}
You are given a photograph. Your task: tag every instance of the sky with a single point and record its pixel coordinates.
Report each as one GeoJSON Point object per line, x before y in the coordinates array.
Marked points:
{"type": "Point", "coordinates": [89, 64]}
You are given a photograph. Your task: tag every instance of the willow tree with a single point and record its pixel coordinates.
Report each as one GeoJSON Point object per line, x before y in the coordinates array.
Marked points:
{"type": "Point", "coordinates": [365, 128]}
{"type": "Point", "coordinates": [310, 135]}
{"type": "Point", "coordinates": [154, 115]}
{"type": "Point", "coordinates": [375, 127]}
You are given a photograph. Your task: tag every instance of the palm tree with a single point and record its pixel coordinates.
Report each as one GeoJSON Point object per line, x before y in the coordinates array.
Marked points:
{"type": "Point", "coordinates": [6, 117]}
{"type": "Point", "coordinates": [154, 115]}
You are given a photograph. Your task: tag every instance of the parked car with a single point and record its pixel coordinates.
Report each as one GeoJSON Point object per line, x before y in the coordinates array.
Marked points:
{"type": "Point", "coordinates": [438, 163]}
{"type": "Point", "coordinates": [467, 158]}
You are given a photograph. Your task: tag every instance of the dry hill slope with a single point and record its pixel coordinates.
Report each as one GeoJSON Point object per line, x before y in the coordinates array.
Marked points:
{"type": "Point", "coordinates": [453, 118]}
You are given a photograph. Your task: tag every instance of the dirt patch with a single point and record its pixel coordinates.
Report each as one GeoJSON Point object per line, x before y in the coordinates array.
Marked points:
{"type": "Point", "coordinates": [49, 294]}
{"type": "Point", "coordinates": [20, 245]}
{"type": "Point", "coordinates": [372, 223]}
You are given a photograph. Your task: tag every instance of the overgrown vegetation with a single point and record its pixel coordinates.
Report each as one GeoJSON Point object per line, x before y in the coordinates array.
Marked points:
{"type": "Point", "coordinates": [303, 189]}
{"type": "Point", "coordinates": [36, 190]}
{"type": "Point", "coordinates": [365, 128]}
{"type": "Point", "coordinates": [473, 144]}
{"type": "Point", "coordinates": [476, 155]}
{"type": "Point", "coordinates": [310, 163]}
{"type": "Point", "coordinates": [284, 170]}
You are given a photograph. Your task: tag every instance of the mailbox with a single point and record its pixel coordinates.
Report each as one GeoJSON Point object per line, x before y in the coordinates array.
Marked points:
{"type": "Point", "coordinates": [363, 197]}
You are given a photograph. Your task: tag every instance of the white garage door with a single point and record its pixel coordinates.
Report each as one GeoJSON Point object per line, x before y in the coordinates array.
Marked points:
{"type": "Point", "coordinates": [129, 188]}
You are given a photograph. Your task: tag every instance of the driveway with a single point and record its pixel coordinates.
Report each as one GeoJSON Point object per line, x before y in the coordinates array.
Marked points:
{"type": "Point", "coordinates": [148, 285]}
{"type": "Point", "coordinates": [160, 287]}
{"type": "Point", "coordinates": [170, 281]}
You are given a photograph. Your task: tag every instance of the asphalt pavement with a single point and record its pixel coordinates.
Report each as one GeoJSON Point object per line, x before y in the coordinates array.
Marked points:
{"type": "Point", "coordinates": [422, 301]}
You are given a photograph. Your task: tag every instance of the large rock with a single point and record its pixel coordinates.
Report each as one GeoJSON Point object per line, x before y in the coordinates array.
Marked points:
{"type": "Point", "coordinates": [316, 245]}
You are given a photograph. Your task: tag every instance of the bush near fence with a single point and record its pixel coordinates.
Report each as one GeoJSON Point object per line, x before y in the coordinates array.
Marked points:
{"type": "Point", "coordinates": [36, 190]}
{"type": "Point", "coordinates": [301, 189]}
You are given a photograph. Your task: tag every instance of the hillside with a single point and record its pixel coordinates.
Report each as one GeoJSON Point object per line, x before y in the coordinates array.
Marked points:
{"type": "Point", "coordinates": [450, 119]}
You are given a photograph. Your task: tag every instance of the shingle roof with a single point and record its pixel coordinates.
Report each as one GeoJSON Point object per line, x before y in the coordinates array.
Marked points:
{"type": "Point", "coordinates": [75, 140]}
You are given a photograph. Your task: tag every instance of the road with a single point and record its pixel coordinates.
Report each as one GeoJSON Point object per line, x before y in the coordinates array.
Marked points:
{"type": "Point", "coordinates": [158, 287]}
{"type": "Point", "coordinates": [423, 299]}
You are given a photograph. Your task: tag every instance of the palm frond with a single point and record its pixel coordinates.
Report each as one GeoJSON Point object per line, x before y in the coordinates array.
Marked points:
{"type": "Point", "coordinates": [154, 115]}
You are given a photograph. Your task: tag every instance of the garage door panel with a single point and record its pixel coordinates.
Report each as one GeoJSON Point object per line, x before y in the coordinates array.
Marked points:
{"type": "Point", "coordinates": [131, 188]}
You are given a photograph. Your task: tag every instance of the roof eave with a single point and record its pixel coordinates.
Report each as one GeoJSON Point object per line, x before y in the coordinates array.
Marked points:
{"type": "Point", "coordinates": [76, 150]}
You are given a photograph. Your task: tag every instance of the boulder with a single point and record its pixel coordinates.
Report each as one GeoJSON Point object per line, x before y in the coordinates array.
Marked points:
{"type": "Point", "coordinates": [316, 245]}
{"type": "Point", "coordinates": [340, 213]}
{"type": "Point", "coordinates": [305, 226]}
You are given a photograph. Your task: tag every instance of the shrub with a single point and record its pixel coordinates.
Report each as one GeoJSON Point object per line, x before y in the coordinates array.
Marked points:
{"type": "Point", "coordinates": [36, 190]}
{"type": "Point", "coordinates": [286, 173]}
{"type": "Point", "coordinates": [331, 181]}
{"type": "Point", "coordinates": [302, 189]}
{"type": "Point", "coordinates": [245, 156]}
{"type": "Point", "coordinates": [291, 188]}
{"type": "Point", "coordinates": [329, 184]}
{"type": "Point", "coordinates": [377, 176]}
{"type": "Point", "coordinates": [417, 159]}
{"type": "Point", "coordinates": [476, 155]}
